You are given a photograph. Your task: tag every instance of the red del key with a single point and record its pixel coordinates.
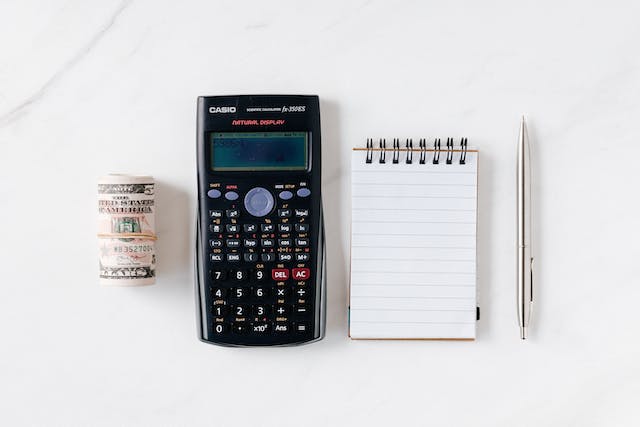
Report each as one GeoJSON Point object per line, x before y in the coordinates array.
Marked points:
{"type": "Point", "coordinates": [280, 273]}
{"type": "Point", "coordinates": [300, 273]}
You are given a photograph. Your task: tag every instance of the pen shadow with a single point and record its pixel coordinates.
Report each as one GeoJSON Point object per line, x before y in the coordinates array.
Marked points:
{"type": "Point", "coordinates": [484, 238]}
{"type": "Point", "coordinates": [336, 224]}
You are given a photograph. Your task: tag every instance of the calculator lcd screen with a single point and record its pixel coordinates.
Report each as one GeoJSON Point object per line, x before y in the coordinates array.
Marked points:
{"type": "Point", "coordinates": [259, 151]}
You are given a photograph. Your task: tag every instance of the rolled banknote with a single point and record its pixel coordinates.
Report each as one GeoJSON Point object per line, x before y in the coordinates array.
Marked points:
{"type": "Point", "coordinates": [126, 230]}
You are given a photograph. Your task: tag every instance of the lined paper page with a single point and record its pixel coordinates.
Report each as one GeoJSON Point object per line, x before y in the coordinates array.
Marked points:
{"type": "Point", "coordinates": [413, 248]}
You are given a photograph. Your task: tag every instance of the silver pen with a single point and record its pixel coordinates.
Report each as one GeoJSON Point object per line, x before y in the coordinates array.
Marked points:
{"type": "Point", "coordinates": [525, 259]}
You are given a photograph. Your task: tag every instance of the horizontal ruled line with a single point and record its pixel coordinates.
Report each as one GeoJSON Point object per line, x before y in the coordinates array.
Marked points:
{"type": "Point", "coordinates": [414, 234]}
{"type": "Point", "coordinates": [409, 297]}
{"type": "Point", "coordinates": [415, 197]}
{"type": "Point", "coordinates": [412, 309]}
{"type": "Point", "coordinates": [413, 209]}
{"type": "Point", "coordinates": [412, 183]}
{"type": "Point", "coordinates": [446, 285]}
{"type": "Point", "coordinates": [413, 222]}
{"type": "Point", "coordinates": [415, 259]}
{"type": "Point", "coordinates": [412, 247]}
{"type": "Point", "coordinates": [414, 172]}
{"type": "Point", "coordinates": [415, 323]}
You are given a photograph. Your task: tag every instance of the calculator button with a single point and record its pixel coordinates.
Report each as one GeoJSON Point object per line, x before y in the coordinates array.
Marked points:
{"type": "Point", "coordinates": [231, 195]}
{"type": "Point", "coordinates": [279, 274]}
{"type": "Point", "coordinates": [220, 328]}
{"type": "Point", "coordinates": [261, 328]}
{"type": "Point", "coordinates": [267, 228]}
{"type": "Point", "coordinates": [240, 328]}
{"type": "Point", "coordinates": [302, 257]}
{"type": "Point", "coordinates": [303, 192]}
{"type": "Point", "coordinates": [214, 194]}
{"type": "Point", "coordinates": [302, 228]}
{"type": "Point", "coordinates": [281, 310]}
{"type": "Point", "coordinates": [301, 327]}
{"type": "Point", "coordinates": [282, 328]}
{"type": "Point", "coordinates": [258, 275]}
{"type": "Point", "coordinates": [285, 257]}
{"type": "Point", "coordinates": [219, 292]}
{"type": "Point", "coordinates": [249, 228]}
{"type": "Point", "coordinates": [285, 195]}
{"type": "Point", "coordinates": [261, 292]}
{"type": "Point", "coordinates": [233, 257]}
{"type": "Point", "coordinates": [251, 257]}
{"type": "Point", "coordinates": [284, 228]}
{"type": "Point", "coordinates": [240, 310]}
{"type": "Point", "coordinates": [215, 214]}
{"type": "Point", "coordinates": [267, 243]}
{"type": "Point", "coordinates": [258, 201]}
{"type": "Point", "coordinates": [302, 242]}
{"type": "Point", "coordinates": [284, 242]}
{"type": "Point", "coordinates": [233, 243]}
{"type": "Point", "coordinates": [232, 213]}
{"type": "Point", "coordinates": [301, 213]}
{"type": "Point", "coordinates": [301, 309]}
{"type": "Point", "coordinates": [231, 228]}
{"type": "Point", "coordinates": [218, 275]}
{"type": "Point", "coordinates": [302, 292]}
{"type": "Point", "coordinates": [215, 228]}
{"type": "Point", "coordinates": [240, 293]}
{"type": "Point", "coordinates": [240, 275]}
{"type": "Point", "coordinates": [300, 273]}
{"type": "Point", "coordinates": [268, 257]}
{"type": "Point", "coordinates": [250, 243]}
{"type": "Point", "coordinates": [284, 213]}
{"type": "Point", "coordinates": [215, 243]}
{"type": "Point", "coordinates": [281, 292]}
{"type": "Point", "coordinates": [261, 310]}
{"type": "Point", "coordinates": [220, 310]}
{"type": "Point", "coordinates": [215, 257]}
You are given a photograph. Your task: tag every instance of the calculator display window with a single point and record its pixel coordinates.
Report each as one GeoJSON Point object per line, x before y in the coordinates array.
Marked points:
{"type": "Point", "coordinates": [259, 151]}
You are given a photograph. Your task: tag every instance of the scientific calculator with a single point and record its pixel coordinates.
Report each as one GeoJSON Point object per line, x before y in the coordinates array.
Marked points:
{"type": "Point", "coordinates": [260, 265]}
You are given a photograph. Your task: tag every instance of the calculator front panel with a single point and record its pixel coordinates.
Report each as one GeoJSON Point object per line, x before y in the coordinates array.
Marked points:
{"type": "Point", "coordinates": [260, 231]}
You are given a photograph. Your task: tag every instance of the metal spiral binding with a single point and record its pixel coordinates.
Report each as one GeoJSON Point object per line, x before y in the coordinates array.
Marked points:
{"type": "Point", "coordinates": [409, 145]}
{"type": "Point", "coordinates": [369, 150]}
{"type": "Point", "coordinates": [436, 151]}
{"type": "Point", "coordinates": [396, 150]}
{"type": "Point", "coordinates": [423, 151]}
{"type": "Point", "coordinates": [383, 148]}
{"type": "Point", "coordinates": [449, 150]}
{"type": "Point", "coordinates": [463, 153]}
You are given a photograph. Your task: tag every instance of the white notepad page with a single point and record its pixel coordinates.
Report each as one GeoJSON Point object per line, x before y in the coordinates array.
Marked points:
{"type": "Point", "coordinates": [413, 248]}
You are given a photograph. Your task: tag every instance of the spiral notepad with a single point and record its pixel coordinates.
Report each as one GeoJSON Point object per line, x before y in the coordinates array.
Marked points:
{"type": "Point", "coordinates": [413, 241]}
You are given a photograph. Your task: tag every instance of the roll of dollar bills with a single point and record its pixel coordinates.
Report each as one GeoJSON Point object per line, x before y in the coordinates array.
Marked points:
{"type": "Point", "coordinates": [126, 230]}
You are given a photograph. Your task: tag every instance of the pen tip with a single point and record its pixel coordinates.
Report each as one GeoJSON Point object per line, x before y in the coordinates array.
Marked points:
{"type": "Point", "coordinates": [523, 118]}
{"type": "Point", "coordinates": [523, 332]}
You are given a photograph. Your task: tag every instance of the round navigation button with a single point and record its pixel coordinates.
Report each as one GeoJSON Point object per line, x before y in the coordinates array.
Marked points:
{"type": "Point", "coordinates": [303, 192]}
{"type": "Point", "coordinates": [285, 195]}
{"type": "Point", "coordinates": [259, 201]}
{"type": "Point", "coordinates": [214, 194]}
{"type": "Point", "coordinates": [231, 195]}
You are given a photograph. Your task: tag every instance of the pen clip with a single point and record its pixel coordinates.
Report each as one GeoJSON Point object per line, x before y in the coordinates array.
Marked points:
{"type": "Point", "coordinates": [531, 272]}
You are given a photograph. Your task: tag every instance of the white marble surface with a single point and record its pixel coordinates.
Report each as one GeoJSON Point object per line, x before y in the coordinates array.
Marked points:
{"type": "Point", "coordinates": [88, 88]}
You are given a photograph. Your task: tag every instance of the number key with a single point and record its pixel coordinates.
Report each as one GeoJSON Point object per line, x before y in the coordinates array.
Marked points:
{"type": "Point", "coordinates": [240, 310]}
{"type": "Point", "coordinates": [220, 328]}
{"type": "Point", "coordinates": [259, 275]}
{"type": "Point", "coordinates": [261, 310]}
{"type": "Point", "coordinates": [240, 275]}
{"type": "Point", "coordinates": [219, 292]}
{"type": "Point", "coordinates": [261, 292]}
{"type": "Point", "coordinates": [220, 310]}
{"type": "Point", "coordinates": [240, 293]}
{"type": "Point", "coordinates": [218, 275]}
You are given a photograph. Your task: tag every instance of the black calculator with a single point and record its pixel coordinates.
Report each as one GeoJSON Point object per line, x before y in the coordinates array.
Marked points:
{"type": "Point", "coordinates": [260, 262]}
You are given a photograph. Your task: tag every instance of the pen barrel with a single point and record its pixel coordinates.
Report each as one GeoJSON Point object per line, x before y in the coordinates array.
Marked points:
{"type": "Point", "coordinates": [524, 258]}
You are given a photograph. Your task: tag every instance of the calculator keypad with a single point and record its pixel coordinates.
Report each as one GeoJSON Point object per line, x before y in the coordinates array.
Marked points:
{"type": "Point", "coordinates": [260, 264]}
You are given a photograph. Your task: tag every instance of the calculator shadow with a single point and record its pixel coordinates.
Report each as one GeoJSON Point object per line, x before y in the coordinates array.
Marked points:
{"type": "Point", "coordinates": [174, 247]}
{"type": "Point", "coordinates": [334, 168]}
